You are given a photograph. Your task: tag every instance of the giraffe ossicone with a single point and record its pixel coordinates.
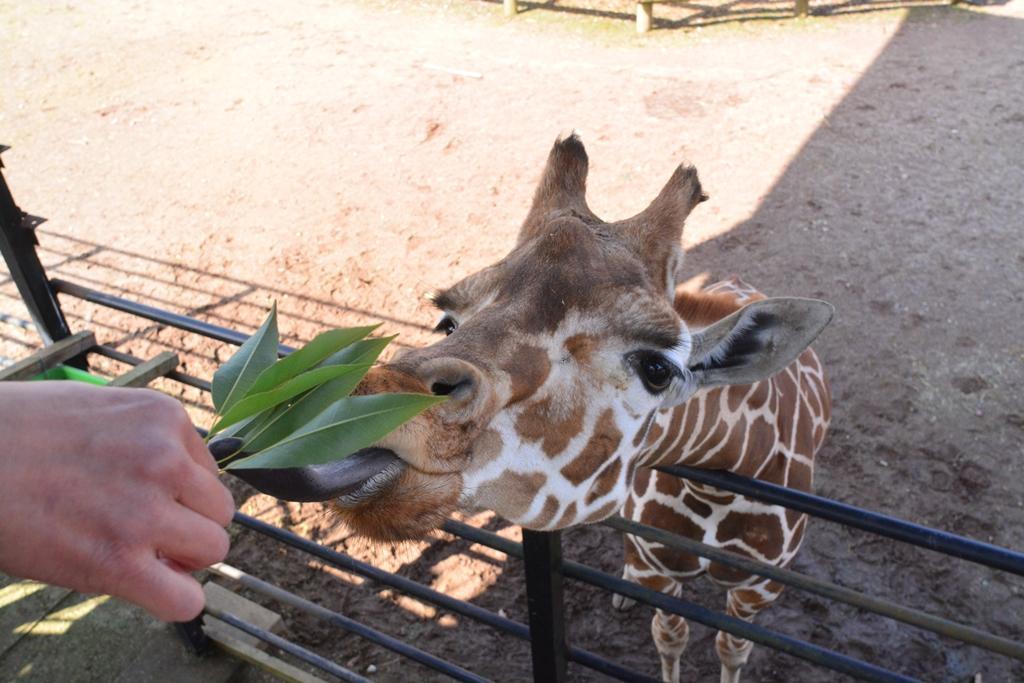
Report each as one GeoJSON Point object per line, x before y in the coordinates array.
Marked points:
{"type": "Point", "coordinates": [573, 366]}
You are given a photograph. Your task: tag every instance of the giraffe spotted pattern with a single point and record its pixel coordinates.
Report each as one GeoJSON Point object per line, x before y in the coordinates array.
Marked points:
{"type": "Point", "coordinates": [771, 431]}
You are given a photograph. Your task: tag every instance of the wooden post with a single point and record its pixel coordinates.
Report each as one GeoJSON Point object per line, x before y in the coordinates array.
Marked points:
{"type": "Point", "coordinates": [144, 373]}
{"type": "Point", "coordinates": [802, 7]}
{"type": "Point", "coordinates": [511, 8]}
{"type": "Point", "coordinates": [645, 16]}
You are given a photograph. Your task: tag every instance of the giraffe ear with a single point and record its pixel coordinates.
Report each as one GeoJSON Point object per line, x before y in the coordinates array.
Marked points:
{"type": "Point", "coordinates": [757, 341]}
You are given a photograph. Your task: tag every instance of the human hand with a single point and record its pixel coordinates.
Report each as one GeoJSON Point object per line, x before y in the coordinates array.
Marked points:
{"type": "Point", "coordinates": [107, 490]}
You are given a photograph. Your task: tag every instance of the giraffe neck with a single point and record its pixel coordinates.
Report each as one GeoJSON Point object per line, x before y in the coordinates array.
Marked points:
{"type": "Point", "coordinates": [769, 430]}
{"type": "Point", "coordinates": [755, 430]}
{"type": "Point", "coordinates": [703, 432]}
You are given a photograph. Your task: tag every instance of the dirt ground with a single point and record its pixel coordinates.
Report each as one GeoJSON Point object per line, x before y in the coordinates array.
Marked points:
{"type": "Point", "coordinates": [343, 158]}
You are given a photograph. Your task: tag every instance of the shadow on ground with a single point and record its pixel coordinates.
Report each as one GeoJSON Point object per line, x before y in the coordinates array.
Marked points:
{"type": "Point", "coordinates": [911, 228]}
{"type": "Point", "coordinates": [922, 258]}
{"type": "Point", "coordinates": [903, 209]}
{"type": "Point", "coordinates": [677, 15]}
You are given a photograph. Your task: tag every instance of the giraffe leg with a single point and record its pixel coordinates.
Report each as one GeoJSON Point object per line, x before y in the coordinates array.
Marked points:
{"type": "Point", "coordinates": [670, 633]}
{"type": "Point", "coordinates": [648, 578]}
{"type": "Point", "coordinates": [621, 602]}
{"type": "Point", "coordinates": [744, 603]}
{"type": "Point", "coordinates": [636, 570]}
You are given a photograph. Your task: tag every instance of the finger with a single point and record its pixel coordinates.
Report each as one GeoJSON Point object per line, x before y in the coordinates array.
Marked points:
{"type": "Point", "coordinates": [198, 451]}
{"type": "Point", "coordinates": [203, 492]}
{"type": "Point", "coordinates": [164, 592]}
{"type": "Point", "coordinates": [190, 538]}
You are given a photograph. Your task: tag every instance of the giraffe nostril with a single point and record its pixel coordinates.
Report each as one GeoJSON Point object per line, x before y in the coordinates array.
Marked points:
{"type": "Point", "coordinates": [455, 378]}
{"type": "Point", "coordinates": [447, 389]}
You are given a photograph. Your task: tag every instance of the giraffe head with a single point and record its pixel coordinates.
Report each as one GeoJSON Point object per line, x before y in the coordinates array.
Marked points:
{"type": "Point", "coordinates": [555, 357]}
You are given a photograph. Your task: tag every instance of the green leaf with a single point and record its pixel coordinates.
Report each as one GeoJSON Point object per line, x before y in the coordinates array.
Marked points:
{"type": "Point", "coordinates": [234, 378]}
{"type": "Point", "coordinates": [288, 419]}
{"type": "Point", "coordinates": [255, 403]}
{"type": "Point", "coordinates": [307, 407]}
{"type": "Point", "coordinates": [344, 428]}
{"type": "Point", "coordinates": [365, 351]}
{"type": "Point", "coordinates": [239, 429]}
{"type": "Point", "coordinates": [322, 346]}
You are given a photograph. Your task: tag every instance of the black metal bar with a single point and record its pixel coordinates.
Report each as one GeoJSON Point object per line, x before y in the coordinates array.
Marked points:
{"type": "Point", "coordinates": [193, 636]}
{"type": "Point", "coordinates": [18, 246]}
{"type": "Point", "coordinates": [574, 654]}
{"type": "Point", "coordinates": [401, 583]}
{"type": "Point", "coordinates": [891, 527]}
{"type": "Point", "coordinates": [542, 556]}
{"type": "Point", "coordinates": [503, 624]}
{"type": "Point", "coordinates": [825, 589]}
{"type": "Point", "coordinates": [291, 648]}
{"type": "Point", "coordinates": [884, 525]}
{"type": "Point", "coordinates": [361, 630]}
{"type": "Point", "coordinates": [182, 322]}
{"type": "Point", "coordinates": [777, 641]}
{"type": "Point", "coordinates": [848, 515]}
{"type": "Point", "coordinates": [608, 668]}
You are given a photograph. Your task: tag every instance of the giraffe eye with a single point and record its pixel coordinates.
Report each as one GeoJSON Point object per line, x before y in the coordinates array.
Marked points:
{"type": "Point", "coordinates": [655, 371]}
{"type": "Point", "coordinates": [447, 324]}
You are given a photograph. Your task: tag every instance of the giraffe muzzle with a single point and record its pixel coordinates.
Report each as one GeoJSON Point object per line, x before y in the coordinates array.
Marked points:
{"type": "Point", "coordinates": [349, 481]}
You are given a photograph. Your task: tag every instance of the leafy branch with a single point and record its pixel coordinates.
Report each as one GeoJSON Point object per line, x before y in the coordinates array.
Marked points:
{"type": "Point", "coordinates": [298, 411]}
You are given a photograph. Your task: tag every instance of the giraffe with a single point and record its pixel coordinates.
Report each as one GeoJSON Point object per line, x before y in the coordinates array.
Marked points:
{"type": "Point", "coordinates": [769, 430]}
{"type": "Point", "coordinates": [569, 365]}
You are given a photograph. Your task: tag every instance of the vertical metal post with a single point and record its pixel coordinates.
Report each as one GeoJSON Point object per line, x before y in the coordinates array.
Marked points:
{"type": "Point", "coordinates": [18, 246]}
{"type": "Point", "coordinates": [542, 552]}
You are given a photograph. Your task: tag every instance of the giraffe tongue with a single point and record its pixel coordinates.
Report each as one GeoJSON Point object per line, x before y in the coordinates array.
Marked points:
{"type": "Point", "coordinates": [318, 483]}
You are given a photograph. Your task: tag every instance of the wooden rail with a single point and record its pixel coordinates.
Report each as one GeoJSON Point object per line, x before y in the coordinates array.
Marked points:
{"type": "Point", "coordinates": [49, 357]}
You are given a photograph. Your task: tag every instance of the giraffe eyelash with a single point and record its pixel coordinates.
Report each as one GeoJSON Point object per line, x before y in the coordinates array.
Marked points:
{"type": "Point", "coordinates": [446, 324]}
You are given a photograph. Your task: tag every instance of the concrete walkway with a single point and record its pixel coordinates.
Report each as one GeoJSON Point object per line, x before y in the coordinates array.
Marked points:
{"type": "Point", "coordinates": [52, 634]}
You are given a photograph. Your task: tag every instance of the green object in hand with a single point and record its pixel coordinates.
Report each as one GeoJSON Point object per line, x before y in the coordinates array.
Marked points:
{"type": "Point", "coordinates": [297, 411]}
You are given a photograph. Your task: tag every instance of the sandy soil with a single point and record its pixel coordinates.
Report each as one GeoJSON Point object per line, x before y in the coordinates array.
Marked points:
{"type": "Point", "coordinates": [211, 158]}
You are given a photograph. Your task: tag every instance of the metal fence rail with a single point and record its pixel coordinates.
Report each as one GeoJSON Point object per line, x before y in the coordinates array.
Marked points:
{"type": "Point", "coordinates": [394, 644]}
{"type": "Point", "coordinates": [795, 647]}
{"type": "Point", "coordinates": [157, 315]}
{"type": "Point", "coordinates": [418, 590]}
{"type": "Point", "coordinates": [865, 520]}
{"type": "Point", "coordinates": [788, 577]}
{"type": "Point", "coordinates": [684, 608]}
{"type": "Point", "coordinates": [300, 653]}
{"type": "Point", "coordinates": [540, 552]}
